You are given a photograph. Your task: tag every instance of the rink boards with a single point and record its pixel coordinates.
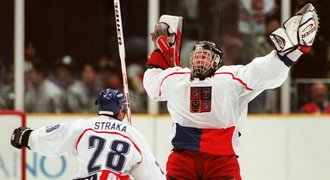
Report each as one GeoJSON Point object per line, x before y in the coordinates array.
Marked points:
{"type": "Point", "coordinates": [271, 147]}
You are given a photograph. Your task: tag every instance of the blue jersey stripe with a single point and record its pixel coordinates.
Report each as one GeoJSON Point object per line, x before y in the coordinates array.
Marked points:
{"type": "Point", "coordinates": [187, 138]}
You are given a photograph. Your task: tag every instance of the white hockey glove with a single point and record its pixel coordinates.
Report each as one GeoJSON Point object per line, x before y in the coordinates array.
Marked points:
{"type": "Point", "coordinates": [297, 35]}
{"type": "Point", "coordinates": [20, 137]}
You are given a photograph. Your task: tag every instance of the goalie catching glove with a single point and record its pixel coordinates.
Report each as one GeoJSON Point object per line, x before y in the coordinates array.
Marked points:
{"type": "Point", "coordinates": [297, 35]}
{"type": "Point", "coordinates": [20, 137]}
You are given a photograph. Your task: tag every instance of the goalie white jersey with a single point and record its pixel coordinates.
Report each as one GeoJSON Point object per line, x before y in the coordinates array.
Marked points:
{"type": "Point", "coordinates": [106, 148]}
{"type": "Point", "coordinates": [208, 114]}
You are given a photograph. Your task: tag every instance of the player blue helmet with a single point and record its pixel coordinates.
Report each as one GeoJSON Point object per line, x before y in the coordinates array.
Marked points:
{"type": "Point", "coordinates": [110, 101]}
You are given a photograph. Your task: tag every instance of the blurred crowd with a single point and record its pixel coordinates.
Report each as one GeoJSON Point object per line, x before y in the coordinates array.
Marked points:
{"type": "Point", "coordinates": [239, 27]}
{"type": "Point", "coordinates": [68, 88]}
{"type": "Point", "coordinates": [265, 17]}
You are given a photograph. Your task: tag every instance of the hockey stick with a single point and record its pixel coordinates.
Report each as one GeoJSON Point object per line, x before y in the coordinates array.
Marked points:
{"type": "Point", "coordinates": [121, 48]}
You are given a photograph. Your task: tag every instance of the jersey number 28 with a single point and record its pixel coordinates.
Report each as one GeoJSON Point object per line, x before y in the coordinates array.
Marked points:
{"type": "Point", "coordinates": [116, 156]}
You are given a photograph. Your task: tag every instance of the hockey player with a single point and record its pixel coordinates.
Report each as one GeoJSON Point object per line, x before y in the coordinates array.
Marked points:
{"type": "Point", "coordinates": [208, 101]}
{"type": "Point", "coordinates": [105, 147]}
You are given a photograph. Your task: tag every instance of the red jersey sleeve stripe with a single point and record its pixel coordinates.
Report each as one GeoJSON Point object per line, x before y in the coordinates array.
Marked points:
{"type": "Point", "coordinates": [237, 79]}
{"type": "Point", "coordinates": [174, 73]}
{"type": "Point", "coordinates": [227, 73]}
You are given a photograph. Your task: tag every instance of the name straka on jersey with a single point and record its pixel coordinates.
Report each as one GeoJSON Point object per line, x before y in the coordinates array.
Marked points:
{"type": "Point", "coordinates": [109, 126]}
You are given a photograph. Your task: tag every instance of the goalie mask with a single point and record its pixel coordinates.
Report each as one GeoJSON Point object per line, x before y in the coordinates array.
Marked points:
{"type": "Point", "coordinates": [110, 102]}
{"type": "Point", "coordinates": [205, 59]}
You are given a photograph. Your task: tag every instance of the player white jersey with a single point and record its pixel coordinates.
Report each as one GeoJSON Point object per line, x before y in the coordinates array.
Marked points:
{"type": "Point", "coordinates": [206, 112]}
{"type": "Point", "coordinates": [106, 148]}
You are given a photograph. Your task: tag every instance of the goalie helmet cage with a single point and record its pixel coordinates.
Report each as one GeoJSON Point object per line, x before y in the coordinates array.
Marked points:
{"type": "Point", "coordinates": [10, 119]}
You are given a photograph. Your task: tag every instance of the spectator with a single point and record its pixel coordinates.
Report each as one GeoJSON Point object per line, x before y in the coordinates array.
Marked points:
{"type": "Point", "coordinates": [232, 47]}
{"type": "Point", "coordinates": [91, 87]}
{"type": "Point", "coordinates": [137, 93]}
{"type": "Point", "coordinates": [251, 23]}
{"type": "Point", "coordinates": [267, 101]}
{"type": "Point", "coordinates": [103, 61]}
{"type": "Point", "coordinates": [110, 77]}
{"type": "Point", "coordinates": [42, 96]}
{"type": "Point", "coordinates": [7, 95]}
{"type": "Point", "coordinates": [75, 101]}
{"type": "Point", "coordinates": [31, 55]}
{"type": "Point", "coordinates": [319, 102]}
{"type": "Point", "coordinates": [263, 44]}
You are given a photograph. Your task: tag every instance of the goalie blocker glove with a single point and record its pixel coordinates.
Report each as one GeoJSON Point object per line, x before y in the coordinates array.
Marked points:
{"type": "Point", "coordinates": [20, 137]}
{"type": "Point", "coordinates": [297, 35]}
{"type": "Point", "coordinates": [162, 57]}
{"type": "Point", "coordinates": [166, 37]}
{"type": "Point", "coordinates": [157, 60]}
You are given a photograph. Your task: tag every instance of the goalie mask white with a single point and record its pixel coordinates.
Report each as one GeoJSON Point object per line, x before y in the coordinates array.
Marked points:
{"type": "Point", "coordinates": [205, 59]}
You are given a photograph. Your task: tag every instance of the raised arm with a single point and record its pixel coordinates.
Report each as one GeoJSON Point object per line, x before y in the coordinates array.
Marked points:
{"type": "Point", "coordinates": [291, 41]}
{"type": "Point", "coordinates": [166, 38]}
{"type": "Point", "coordinates": [51, 141]}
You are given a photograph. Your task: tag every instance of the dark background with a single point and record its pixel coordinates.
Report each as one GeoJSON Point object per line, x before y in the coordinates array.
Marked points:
{"type": "Point", "coordinates": [81, 28]}
{"type": "Point", "coordinates": [85, 29]}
